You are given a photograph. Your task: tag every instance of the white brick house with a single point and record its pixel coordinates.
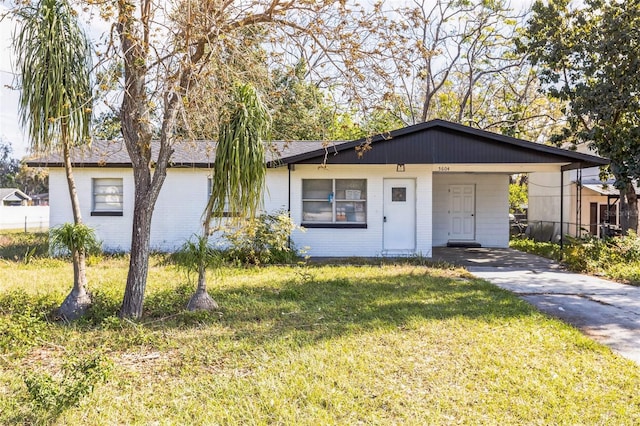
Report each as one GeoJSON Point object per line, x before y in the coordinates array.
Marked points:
{"type": "Point", "coordinates": [429, 185]}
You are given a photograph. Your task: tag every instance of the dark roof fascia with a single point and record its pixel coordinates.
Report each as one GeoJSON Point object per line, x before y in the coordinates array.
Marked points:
{"type": "Point", "coordinates": [109, 149]}
{"type": "Point", "coordinates": [38, 163]}
{"type": "Point", "coordinates": [574, 159]}
{"type": "Point", "coordinates": [581, 160]}
{"type": "Point", "coordinates": [35, 163]}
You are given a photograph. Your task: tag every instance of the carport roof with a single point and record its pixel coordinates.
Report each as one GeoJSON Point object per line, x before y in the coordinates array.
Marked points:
{"type": "Point", "coordinates": [444, 142]}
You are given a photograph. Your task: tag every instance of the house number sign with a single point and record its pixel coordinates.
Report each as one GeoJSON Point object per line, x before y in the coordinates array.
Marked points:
{"type": "Point", "coordinates": [444, 168]}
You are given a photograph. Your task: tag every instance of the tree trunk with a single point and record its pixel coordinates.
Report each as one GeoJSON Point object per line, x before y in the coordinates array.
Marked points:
{"type": "Point", "coordinates": [628, 209]}
{"type": "Point", "coordinates": [139, 259]}
{"type": "Point", "coordinates": [78, 300]}
{"type": "Point", "coordinates": [71, 183]}
{"type": "Point", "coordinates": [201, 301]}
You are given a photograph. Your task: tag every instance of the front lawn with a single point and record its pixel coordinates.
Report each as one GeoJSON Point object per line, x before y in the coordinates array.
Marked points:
{"type": "Point", "coordinates": [22, 246]}
{"type": "Point", "coordinates": [303, 345]}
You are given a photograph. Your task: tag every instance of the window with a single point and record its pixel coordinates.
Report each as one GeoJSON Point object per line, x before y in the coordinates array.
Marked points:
{"type": "Point", "coordinates": [107, 197]}
{"type": "Point", "coordinates": [334, 203]}
{"type": "Point", "coordinates": [226, 212]}
{"type": "Point", "coordinates": [399, 194]}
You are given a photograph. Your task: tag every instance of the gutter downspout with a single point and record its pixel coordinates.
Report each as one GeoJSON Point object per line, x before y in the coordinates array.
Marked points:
{"type": "Point", "coordinates": [289, 167]}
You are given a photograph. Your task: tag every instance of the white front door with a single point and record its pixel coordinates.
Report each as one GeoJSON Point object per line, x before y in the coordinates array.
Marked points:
{"type": "Point", "coordinates": [462, 210]}
{"type": "Point", "coordinates": [399, 228]}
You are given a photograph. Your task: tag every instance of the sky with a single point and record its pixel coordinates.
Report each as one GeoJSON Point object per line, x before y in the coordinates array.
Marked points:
{"type": "Point", "coordinates": [10, 129]}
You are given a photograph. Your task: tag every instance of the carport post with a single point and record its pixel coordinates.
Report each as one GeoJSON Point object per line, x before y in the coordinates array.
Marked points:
{"type": "Point", "coordinates": [561, 207]}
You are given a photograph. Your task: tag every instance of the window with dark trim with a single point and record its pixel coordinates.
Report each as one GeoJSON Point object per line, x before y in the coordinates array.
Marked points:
{"type": "Point", "coordinates": [335, 203]}
{"type": "Point", "coordinates": [107, 197]}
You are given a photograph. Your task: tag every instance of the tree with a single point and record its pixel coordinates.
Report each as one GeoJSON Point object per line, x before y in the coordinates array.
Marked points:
{"type": "Point", "coordinates": [32, 180]}
{"type": "Point", "coordinates": [238, 173]}
{"type": "Point", "coordinates": [300, 110]}
{"type": "Point", "coordinates": [54, 60]}
{"type": "Point", "coordinates": [166, 55]}
{"type": "Point", "coordinates": [588, 56]}
{"type": "Point", "coordinates": [518, 193]}
{"type": "Point", "coordinates": [107, 126]}
{"type": "Point", "coordinates": [453, 60]}
{"type": "Point", "coordinates": [9, 166]}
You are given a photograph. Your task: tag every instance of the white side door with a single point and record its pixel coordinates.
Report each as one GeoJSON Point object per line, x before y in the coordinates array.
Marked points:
{"type": "Point", "coordinates": [399, 227]}
{"type": "Point", "coordinates": [462, 211]}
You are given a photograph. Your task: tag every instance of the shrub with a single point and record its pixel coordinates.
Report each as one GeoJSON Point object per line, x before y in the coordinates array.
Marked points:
{"type": "Point", "coordinates": [104, 303]}
{"type": "Point", "coordinates": [629, 273]}
{"type": "Point", "coordinates": [23, 318]}
{"type": "Point", "coordinates": [68, 237]}
{"type": "Point", "coordinates": [193, 253]}
{"type": "Point", "coordinates": [617, 257]}
{"type": "Point", "coordinates": [626, 247]}
{"type": "Point", "coordinates": [544, 249]}
{"type": "Point", "coordinates": [50, 396]}
{"type": "Point", "coordinates": [262, 240]}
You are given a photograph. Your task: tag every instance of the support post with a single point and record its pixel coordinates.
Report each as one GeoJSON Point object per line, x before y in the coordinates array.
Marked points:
{"type": "Point", "coordinates": [561, 208]}
{"type": "Point", "coordinates": [578, 201]}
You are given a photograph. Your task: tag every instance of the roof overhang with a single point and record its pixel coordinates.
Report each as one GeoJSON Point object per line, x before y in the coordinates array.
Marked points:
{"type": "Point", "coordinates": [443, 142]}
{"type": "Point", "coordinates": [435, 142]}
{"type": "Point", "coordinates": [604, 188]}
{"type": "Point", "coordinates": [15, 195]}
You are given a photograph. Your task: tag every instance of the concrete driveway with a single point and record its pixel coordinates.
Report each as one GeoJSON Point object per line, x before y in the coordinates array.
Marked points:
{"type": "Point", "coordinates": [606, 311]}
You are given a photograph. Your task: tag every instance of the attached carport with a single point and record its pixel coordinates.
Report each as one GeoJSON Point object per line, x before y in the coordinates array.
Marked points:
{"type": "Point", "coordinates": [461, 177]}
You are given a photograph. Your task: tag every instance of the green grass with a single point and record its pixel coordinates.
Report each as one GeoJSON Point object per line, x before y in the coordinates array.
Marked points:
{"type": "Point", "coordinates": [18, 245]}
{"type": "Point", "coordinates": [308, 345]}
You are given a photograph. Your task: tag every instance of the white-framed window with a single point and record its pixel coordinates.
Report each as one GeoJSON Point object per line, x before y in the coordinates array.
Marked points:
{"type": "Point", "coordinates": [334, 202]}
{"type": "Point", "coordinates": [107, 197]}
{"type": "Point", "coordinates": [226, 212]}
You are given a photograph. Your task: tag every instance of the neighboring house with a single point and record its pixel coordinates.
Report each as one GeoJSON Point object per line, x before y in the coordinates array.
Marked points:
{"type": "Point", "coordinates": [40, 199]}
{"type": "Point", "coordinates": [16, 213]}
{"type": "Point", "coordinates": [429, 185]}
{"type": "Point", "coordinates": [13, 197]}
{"type": "Point", "coordinates": [590, 205]}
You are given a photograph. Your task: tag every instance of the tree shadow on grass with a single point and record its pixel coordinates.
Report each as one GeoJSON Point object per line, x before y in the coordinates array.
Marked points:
{"type": "Point", "coordinates": [23, 246]}
{"type": "Point", "coordinates": [322, 308]}
{"type": "Point", "coordinates": [334, 307]}
{"type": "Point", "coordinates": [318, 307]}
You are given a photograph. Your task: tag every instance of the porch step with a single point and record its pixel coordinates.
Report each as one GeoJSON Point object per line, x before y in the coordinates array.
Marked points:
{"type": "Point", "coordinates": [397, 253]}
{"type": "Point", "coordinates": [464, 244]}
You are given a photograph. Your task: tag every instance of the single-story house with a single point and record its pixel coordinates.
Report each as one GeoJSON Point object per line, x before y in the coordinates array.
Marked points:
{"type": "Point", "coordinates": [11, 197]}
{"type": "Point", "coordinates": [423, 186]}
{"type": "Point", "coordinates": [40, 199]}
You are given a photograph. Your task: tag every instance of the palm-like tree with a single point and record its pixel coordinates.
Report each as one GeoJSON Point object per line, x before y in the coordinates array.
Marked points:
{"type": "Point", "coordinates": [238, 173]}
{"type": "Point", "coordinates": [54, 60]}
